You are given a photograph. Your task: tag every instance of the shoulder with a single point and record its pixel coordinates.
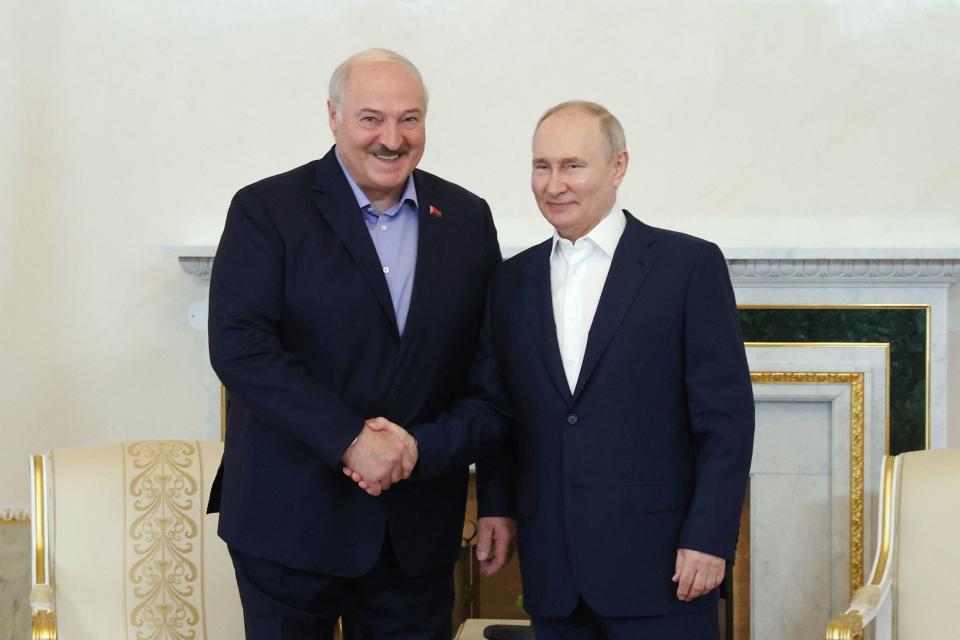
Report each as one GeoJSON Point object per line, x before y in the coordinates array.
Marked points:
{"type": "Point", "coordinates": [537, 251]}
{"type": "Point", "coordinates": [679, 248]}
{"type": "Point", "coordinates": [432, 184]}
{"type": "Point", "coordinates": [513, 269]}
{"type": "Point", "coordinates": [675, 241]}
{"type": "Point", "coordinates": [280, 186]}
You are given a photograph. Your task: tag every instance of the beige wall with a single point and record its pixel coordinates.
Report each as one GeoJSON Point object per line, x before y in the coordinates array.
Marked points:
{"type": "Point", "coordinates": [128, 125]}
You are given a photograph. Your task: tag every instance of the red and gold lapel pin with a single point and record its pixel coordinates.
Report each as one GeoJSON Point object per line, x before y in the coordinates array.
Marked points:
{"type": "Point", "coordinates": [435, 212]}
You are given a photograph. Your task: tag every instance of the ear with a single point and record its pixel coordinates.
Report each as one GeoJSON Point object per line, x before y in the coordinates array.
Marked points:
{"type": "Point", "coordinates": [332, 116]}
{"type": "Point", "coordinates": [620, 162]}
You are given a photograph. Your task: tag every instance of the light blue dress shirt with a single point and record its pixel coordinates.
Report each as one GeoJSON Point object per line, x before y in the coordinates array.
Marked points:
{"type": "Point", "coordinates": [394, 235]}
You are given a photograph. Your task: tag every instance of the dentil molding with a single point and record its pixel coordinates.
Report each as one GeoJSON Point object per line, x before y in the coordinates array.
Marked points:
{"type": "Point", "coordinates": [758, 266]}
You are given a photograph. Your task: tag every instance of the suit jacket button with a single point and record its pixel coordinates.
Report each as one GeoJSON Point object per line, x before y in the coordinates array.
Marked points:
{"type": "Point", "coordinates": [572, 418]}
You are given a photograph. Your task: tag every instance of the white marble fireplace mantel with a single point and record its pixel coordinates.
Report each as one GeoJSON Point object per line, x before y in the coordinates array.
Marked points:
{"type": "Point", "coordinates": [758, 266]}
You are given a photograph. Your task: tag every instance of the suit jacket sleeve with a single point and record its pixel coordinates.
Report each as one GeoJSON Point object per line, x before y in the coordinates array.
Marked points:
{"type": "Point", "coordinates": [477, 425]}
{"type": "Point", "coordinates": [246, 351]}
{"type": "Point", "coordinates": [720, 408]}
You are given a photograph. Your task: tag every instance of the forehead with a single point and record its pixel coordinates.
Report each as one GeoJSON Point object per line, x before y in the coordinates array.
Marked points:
{"type": "Point", "coordinates": [568, 133]}
{"type": "Point", "coordinates": [379, 84]}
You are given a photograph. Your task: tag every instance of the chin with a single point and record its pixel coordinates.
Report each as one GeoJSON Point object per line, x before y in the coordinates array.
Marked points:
{"type": "Point", "coordinates": [561, 222]}
{"type": "Point", "coordinates": [394, 173]}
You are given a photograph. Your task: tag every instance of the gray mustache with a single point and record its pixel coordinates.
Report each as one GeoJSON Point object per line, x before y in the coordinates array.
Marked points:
{"type": "Point", "coordinates": [385, 150]}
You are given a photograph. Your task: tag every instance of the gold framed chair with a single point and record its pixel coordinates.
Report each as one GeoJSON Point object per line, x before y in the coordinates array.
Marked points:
{"type": "Point", "coordinates": [912, 588]}
{"type": "Point", "coordinates": [122, 547]}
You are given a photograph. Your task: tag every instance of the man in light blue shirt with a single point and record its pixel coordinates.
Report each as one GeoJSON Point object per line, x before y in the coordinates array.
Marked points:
{"type": "Point", "coordinates": [347, 289]}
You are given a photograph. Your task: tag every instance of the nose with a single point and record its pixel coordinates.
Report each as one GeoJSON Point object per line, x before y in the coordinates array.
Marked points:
{"type": "Point", "coordinates": [390, 136]}
{"type": "Point", "coordinates": [555, 184]}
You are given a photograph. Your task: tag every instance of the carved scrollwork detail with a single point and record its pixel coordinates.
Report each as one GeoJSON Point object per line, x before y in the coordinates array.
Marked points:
{"type": "Point", "coordinates": [163, 513]}
{"type": "Point", "coordinates": [198, 267]}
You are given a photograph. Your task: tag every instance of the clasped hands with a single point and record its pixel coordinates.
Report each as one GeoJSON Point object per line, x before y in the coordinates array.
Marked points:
{"type": "Point", "coordinates": [383, 454]}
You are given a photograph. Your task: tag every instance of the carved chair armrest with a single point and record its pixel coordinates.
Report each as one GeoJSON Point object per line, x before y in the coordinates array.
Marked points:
{"type": "Point", "coordinates": [43, 616]}
{"type": "Point", "coordinates": [863, 609]}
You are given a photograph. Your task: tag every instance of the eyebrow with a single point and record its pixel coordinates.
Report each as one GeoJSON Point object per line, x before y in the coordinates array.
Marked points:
{"type": "Point", "coordinates": [377, 112]}
{"type": "Point", "coordinates": [562, 160]}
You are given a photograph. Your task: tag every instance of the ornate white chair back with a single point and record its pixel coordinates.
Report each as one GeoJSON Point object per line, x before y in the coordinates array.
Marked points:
{"type": "Point", "coordinates": [927, 545]}
{"type": "Point", "coordinates": [123, 548]}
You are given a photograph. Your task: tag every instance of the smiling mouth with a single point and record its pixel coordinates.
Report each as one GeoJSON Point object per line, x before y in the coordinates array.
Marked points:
{"type": "Point", "coordinates": [383, 153]}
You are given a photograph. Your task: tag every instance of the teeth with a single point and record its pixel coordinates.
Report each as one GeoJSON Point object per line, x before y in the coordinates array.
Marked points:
{"type": "Point", "coordinates": [392, 156]}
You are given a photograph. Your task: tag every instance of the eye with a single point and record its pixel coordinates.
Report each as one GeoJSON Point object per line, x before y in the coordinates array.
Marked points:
{"type": "Point", "coordinates": [412, 119]}
{"type": "Point", "coordinates": [368, 119]}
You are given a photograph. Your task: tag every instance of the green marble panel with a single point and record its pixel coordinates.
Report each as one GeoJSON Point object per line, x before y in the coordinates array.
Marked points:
{"type": "Point", "coordinates": [904, 328]}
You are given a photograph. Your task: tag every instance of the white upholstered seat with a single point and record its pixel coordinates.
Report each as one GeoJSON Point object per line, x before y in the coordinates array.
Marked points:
{"type": "Point", "coordinates": [123, 549]}
{"type": "Point", "coordinates": [913, 589]}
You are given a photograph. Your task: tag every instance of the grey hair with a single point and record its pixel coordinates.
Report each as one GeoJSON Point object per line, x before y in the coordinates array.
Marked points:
{"type": "Point", "coordinates": [610, 128]}
{"type": "Point", "coordinates": [338, 81]}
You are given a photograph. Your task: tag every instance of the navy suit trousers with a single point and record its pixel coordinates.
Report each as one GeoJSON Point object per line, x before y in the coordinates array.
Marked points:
{"type": "Point", "coordinates": [282, 603]}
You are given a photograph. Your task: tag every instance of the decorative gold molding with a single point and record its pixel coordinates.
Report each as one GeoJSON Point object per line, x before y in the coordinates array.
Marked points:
{"type": "Point", "coordinates": [6, 522]}
{"type": "Point", "coordinates": [847, 345]}
{"type": "Point", "coordinates": [40, 526]}
{"type": "Point", "coordinates": [927, 345]}
{"type": "Point", "coordinates": [43, 625]}
{"type": "Point", "coordinates": [43, 620]}
{"type": "Point", "coordinates": [848, 626]}
{"type": "Point", "coordinates": [835, 306]}
{"type": "Point", "coordinates": [223, 413]}
{"type": "Point", "coordinates": [926, 387]}
{"type": "Point", "coordinates": [856, 381]}
{"type": "Point", "coordinates": [886, 520]}
{"type": "Point", "coordinates": [162, 558]}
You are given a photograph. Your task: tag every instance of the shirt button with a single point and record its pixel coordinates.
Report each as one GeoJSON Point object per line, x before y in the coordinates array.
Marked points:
{"type": "Point", "coordinates": [386, 269]}
{"type": "Point", "coordinates": [383, 227]}
{"type": "Point", "coordinates": [572, 418]}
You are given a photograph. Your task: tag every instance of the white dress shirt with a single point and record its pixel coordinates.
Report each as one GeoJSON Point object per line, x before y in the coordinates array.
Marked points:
{"type": "Point", "coordinates": [577, 274]}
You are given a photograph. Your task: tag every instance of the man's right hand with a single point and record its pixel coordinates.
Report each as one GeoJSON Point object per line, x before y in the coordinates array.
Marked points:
{"type": "Point", "coordinates": [383, 454]}
{"type": "Point", "coordinates": [496, 537]}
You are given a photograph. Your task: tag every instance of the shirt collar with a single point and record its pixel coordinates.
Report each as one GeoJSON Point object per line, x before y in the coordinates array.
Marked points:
{"type": "Point", "coordinates": [605, 236]}
{"type": "Point", "coordinates": [409, 192]}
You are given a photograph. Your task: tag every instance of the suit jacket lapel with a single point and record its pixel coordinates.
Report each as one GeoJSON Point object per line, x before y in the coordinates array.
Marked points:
{"type": "Point", "coordinates": [632, 262]}
{"type": "Point", "coordinates": [538, 301]}
{"type": "Point", "coordinates": [337, 204]}
{"type": "Point", "coordinates": [430, 253]}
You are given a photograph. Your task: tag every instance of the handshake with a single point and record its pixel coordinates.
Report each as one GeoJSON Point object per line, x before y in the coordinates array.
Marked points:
{"type": "Point", "coordinates": [383, 454]}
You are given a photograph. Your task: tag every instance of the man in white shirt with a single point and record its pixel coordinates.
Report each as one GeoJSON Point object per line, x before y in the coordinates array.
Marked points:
{"type": "Point", "coordinates": [620, 349]}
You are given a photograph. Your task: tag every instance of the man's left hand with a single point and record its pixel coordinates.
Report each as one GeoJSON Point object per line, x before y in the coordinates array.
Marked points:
{"type": "Point", "coordinates": [697, 573]}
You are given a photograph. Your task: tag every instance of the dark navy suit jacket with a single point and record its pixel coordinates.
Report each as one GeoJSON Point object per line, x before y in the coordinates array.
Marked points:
{"type": "Point", "coordinates": [303, 336]}
{"type": "Point", "coordinates": [651, 451]}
